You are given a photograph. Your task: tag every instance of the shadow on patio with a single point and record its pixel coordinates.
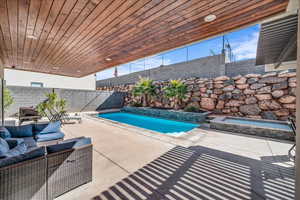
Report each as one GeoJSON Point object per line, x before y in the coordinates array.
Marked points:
{"type": "Point", "coordinates": [204, 173]}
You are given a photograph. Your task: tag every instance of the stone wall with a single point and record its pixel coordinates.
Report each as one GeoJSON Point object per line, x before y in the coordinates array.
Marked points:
{"type": "Point", "coordinates": [77, 100]}
{"type": "Point", "coordinates": [268, 96]}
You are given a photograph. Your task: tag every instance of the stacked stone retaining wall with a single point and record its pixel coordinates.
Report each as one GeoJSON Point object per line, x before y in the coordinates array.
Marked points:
{"type": "Point", "coordinates": [268, 96]}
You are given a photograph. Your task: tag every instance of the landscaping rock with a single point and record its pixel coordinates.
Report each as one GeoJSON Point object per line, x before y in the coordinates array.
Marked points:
{"type": "Point", "coordinates": [248, 91]}
{"type": "Point", "coordinates": [280, 86]}
{"type": "Point", "coordinates": [282, 113]}
{"type": "Point", "coordinates": [269, 115]}
{"type": "Point", "coordinates": [218, 91]}
{"type": "Point", "coordinates": [228, 88]}
{"type": "Point", "coordinates": [256, 86]}
{"type": "Point", "coordinates": [272, 80]}
{"type": "Point", "coordinates": [277, 93]}
{"type": "Point", "coordinates": [264, 90]}
{"type": "Point", "coordinates": [251, 100]}
{"type": "Point", "coordinates": [293, 80]}
{"type": "Point", "coordinates": [292, 91]}
{"type": "Point", "coordinates": [243, 86]}
{"type": "Point", "coordinates": [234, 103]}
{"type": "Point", "coordinates": [222, 78]}
{"type": "Point", "coordinates": [220, 105]}
{"type": "Point", "coordinates": [287, 99]}
{"type": "Point", "coordinates": [203, 89]}
{"type": "Point", "coordinates": [219, 86]}
{"type": "Point", "coordinates": [207, 103]}
{"type": "Point", "coordinates": [242, 80]}
{"type": "Point", "coordinates": [195, 99]}
{"type": "Point", "coordinates": [234, 110]}
{"type": "Point", "coordinates": [194, 104]}
{"type": "Point", "coordinates": [237, 77]}
{"type": "Point", "coordinates": [225, 96]}
{"type": "Point", "coordinates": [196, 94]}
{"type": "Point", "coordinates": [253, 76]}
{"type": "Point", "coordinates": [251, 109]}
{"type": "Point", "coordinates": [292, 84]}
{"type": "Point", "coordinates": [262, 97]}
{"type": "Point", "coordinates": [214, 96]}
{"type": "Point", "coordinates": [290, 106]}
{"type": "Point", "coordinates": [287, 74]}
{"type": "Point", "coordinates": [252, 80]}
{"type": "Point", "coordinates": [271, 74]}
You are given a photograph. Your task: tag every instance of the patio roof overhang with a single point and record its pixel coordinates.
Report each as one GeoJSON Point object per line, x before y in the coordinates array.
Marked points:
{"type": "Point", "coordinates": [278, 41]}
{"type": "Point", "coordinates": [81, 37]}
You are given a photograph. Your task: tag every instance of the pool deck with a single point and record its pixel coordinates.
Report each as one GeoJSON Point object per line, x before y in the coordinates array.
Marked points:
{"type": "Point", "coordinates": [207, 164]}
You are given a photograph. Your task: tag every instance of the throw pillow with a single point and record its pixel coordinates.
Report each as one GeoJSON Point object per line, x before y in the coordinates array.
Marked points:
{"type": "Point", "coordinates": [52, 127]}
{"type": "Point", "coordinates": [4, 133]}
{"type": "Point", "coordinates": [4, 148]}
{"type": "Point", "coordinates": [20, 131]}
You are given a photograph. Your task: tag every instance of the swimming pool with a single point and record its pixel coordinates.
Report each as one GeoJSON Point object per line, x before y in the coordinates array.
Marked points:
{"type": "Point", "coordinates": [164, 126]}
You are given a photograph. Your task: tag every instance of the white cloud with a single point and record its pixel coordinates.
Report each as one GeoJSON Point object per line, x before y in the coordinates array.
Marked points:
{"type": "Point", "coordinates": [246, 47]}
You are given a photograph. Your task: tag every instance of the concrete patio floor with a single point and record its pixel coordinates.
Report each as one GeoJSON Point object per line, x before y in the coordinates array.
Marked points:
{"type": "Point", "coordinates": [213, 165]}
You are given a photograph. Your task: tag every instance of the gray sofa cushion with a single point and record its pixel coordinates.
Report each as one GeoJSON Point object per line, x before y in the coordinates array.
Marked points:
{"type": "Point", "coordinates": [30, 142]}
{"type": "Point", "coordinates": [33, 153]}
{"type": "Point", "coordinates": [20, 131]}
{"type": "Point", "coordinates": [49, 136]}
{"type": "Point", "coordinates": [4, 133]}
{"type": "Point", "coordinates": [4, 148]}
{"type": "Point", "coordinates": [17, 150]}
{"type": "Point", "coordinates": [37, 128]}
{"type": "Point", "coordinates": [79, 142]}
{"type": "Point", "coordinates": [69, 144]}
{"type": "Point", "coordinates": [13, 142]}
{"type": "Point", "coordinates": [60, 147]}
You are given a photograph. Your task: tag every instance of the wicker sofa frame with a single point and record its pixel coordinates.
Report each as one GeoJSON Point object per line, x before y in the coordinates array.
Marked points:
{"type": "Point", "coordinates": [24, 180]}
{"type": "Point", "coordinates": [47, 177]}
{"type": "Point", "coordinates": [68, 169]}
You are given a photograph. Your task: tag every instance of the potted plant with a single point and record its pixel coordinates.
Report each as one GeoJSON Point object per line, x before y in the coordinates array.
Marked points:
{"type": "Point", "coordinates": [144, 88]}
{"type": "Point", "coordinates": [176, 91]}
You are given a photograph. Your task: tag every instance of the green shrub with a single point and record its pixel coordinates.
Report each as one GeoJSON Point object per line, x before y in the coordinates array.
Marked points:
{"type": "Point", "coordinates": [8, 99]}
{"type": "Point", "coordinates": [144, 88]}
{"type": "Point", "coordinates": [176, 90]}
{"type": "Point", "coordinates": [191, 109]}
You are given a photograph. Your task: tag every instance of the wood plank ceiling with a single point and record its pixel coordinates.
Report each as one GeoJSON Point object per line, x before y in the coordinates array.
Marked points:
{"type": "Point", "coordinates": [78, 37]}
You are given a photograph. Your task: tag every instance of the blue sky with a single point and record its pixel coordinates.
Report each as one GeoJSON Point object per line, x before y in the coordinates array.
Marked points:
{"type": "Point", "coordinates": [243, 44]}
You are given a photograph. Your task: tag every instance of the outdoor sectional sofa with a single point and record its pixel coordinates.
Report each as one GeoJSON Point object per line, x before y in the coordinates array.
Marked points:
{"type": "Point", "coordinates": [30, 171]}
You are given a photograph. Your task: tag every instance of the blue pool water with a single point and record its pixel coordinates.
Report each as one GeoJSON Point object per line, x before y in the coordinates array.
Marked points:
{"type": "Point", "coordinates": [259, 123]}
{"type": "Point", "coordinates": [152, 123]}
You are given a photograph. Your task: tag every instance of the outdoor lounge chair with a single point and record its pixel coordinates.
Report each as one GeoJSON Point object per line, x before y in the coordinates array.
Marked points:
{"type": "Point", "coordinates": [292, 124]}
{"type": "Point", "coordinates": [28, 114]}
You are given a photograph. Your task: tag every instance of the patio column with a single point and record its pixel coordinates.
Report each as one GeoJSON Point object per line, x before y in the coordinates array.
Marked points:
{"type": "Point", "coordinates": [297, 186]}
{"type": "Point", "coordinates": [1, 92]}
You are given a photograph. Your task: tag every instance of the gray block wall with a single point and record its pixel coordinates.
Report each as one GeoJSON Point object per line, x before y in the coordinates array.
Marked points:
{"type": "Point", "coordinates": [77, 100]}
{"type": "Point", "coordinates": [243, 67]}
{"type": "Point", "coordinates": [208, 67]}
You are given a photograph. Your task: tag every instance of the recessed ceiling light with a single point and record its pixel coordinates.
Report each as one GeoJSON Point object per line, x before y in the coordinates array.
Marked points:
{"type": "Point", "coordinates": [210, 18]}
{"type": "Point", "coordinates": [78, 71]}
{"type": "Point", "coordinates": [108, 59]}
{"type": "Point", "coordinates": [32, 37]}
{"type": "Point", "coordinates": [55, 67]}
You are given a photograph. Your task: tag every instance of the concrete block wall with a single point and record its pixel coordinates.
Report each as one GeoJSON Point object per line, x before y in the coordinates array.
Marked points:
{"type": "Point", "coordinates": [77, 100]}
{"type": "Point", "coordinates": [208, 67]}
{"type": "Point", "coordinates": [243, 67]}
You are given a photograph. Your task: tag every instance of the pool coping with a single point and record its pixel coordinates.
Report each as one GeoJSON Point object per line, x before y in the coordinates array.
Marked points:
{"type": "Point", "coordinates": [219, 123]}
